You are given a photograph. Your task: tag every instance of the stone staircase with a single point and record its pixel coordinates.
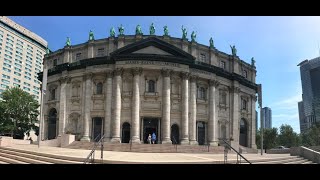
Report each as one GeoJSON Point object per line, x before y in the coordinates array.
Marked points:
{"type": "Point", "coordinates": [17, 156]}
{"type": "Point", "coordinates": [282, 160]}
{"type": "Point", "coordinates": [149, 148]}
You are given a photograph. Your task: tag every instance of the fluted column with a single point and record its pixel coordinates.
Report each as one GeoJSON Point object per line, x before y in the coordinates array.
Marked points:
{"type": "Point", "coordinates": [87, 108]}
{"type": "Point", "coordinates": [213, 125]}
{"type": "Point", "coordinates": [135, 116]}
{"type": "Point", "coordinates": [117, 106]}
{"type": "Point", "coordinates": [166, 106]}
{"type": "Point", "coordinates": [108, 104]}
{"type": "Point", "coordinates": [185, 109]}
{"type": "Point", "coordinates": [193, 111]}
{"type": "Point", "coordinates": [62, 103]}
{"type": "Point", "coordinates": [235, 117]}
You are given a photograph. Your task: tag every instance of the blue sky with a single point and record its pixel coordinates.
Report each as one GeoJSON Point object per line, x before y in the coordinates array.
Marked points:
{"type": "Point", "coordinates": [278, 44]}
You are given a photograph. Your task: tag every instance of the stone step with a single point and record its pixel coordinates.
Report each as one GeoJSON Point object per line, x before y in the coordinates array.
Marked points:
{"type": "Point", "coordinates": [11, 161]}
{"type": "Point", "coordinates": [2, 162]}
{"type": "Point", "coordinates": [273, 159]}
{"type": "Point", "coordinates": [46, 160]}
{"type": "Point", "coordinates": [298, 161]}
{"type": "Point", "coordinates": [21, 159]}
{"type": "Point", "coordinates": [282, 161]}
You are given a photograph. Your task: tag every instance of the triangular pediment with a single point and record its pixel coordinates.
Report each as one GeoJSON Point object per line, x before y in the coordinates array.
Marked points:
{"type": "Point", "coordinates": [152, 50]}
{"type": "Point", "coordinates": [154, 47]}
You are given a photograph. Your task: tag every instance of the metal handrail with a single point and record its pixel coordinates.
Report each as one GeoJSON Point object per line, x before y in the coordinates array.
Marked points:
{"type": "Point", "coordinates": [90, 157]}
{"type": "Point", "coordinates": [238, 154]}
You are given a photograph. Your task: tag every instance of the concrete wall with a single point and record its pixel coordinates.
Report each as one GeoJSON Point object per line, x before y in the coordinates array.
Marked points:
{"type": "Point", "coordinates": [307, 153]}
{"type": "Point", "coordinates": [9, 141]}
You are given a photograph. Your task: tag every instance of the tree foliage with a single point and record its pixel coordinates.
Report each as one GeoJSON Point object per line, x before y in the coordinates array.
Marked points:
{"type": "Point", "coordinates": [18, 112]}
{"type": "Point", "coordinates": [269, 138]}
{"type": "Point", "coordinates": [312, 136]}
{"type": "Point", "coordinates": [288, 137]}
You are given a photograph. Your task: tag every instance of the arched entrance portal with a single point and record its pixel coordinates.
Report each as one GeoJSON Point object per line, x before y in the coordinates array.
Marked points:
{"type": "Point", "coordinates": [201, 129]}
{"type": "Point", "coordinates": [52, 124]}
{"type": "Point", "coordinates": [243, 133]}
{"type": "Point", "coordinates": [175, 134]}
{"type": "Point", "coordinates": [125, 138]}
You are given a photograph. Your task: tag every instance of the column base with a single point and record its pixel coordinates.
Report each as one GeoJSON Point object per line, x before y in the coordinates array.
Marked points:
{"type": "Point", "coordinates": [184, 141]}
{"type": "Point", "coordinates": [85, 139]}
{"type": "Point", "coordinates": [235, 145]}
{"type": "Point", "coordinates": [253, 146]}
{"type": "Point", "coordinates": [115, 140]}
{"type": "Point", "coordinates": [193, 142]}
{"type": "Point", "coordinates": [166, 141]}
{"type": "Point", "coordinates": [135, 140]}
{"type": "Point", "coordinates": [213, 143]}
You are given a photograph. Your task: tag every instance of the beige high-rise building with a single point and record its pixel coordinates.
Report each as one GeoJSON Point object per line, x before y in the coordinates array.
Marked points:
{"type": "Point", "coordinates": [21, 55]}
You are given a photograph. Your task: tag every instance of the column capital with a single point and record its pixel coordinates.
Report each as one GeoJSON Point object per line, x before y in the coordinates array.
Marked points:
{"type": "Point", "coordinates": [193, 78]}
{"type": "Point", "coordinates": [185, 75]}
{"type": "Point", "coordinates": [64, 79]}
{"type": "Point", "coordinates": [109, 74]}
{"type": "Point", "coordinates": [235, 89]}
{"type": "Point", "coordinates": [214, 83]}
{"type": "Point", "coordinates": [88, 76]}
{"type": "Point", "coordinates": [118, 72]}
{"type": "Point", "coordinates": [136, 71]}
{"type": "Point", "coordinates": [166, 72]}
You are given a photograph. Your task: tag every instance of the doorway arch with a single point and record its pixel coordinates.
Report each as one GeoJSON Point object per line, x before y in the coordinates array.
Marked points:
{"type": "Point", "coordinates": [243, 133]}
{"type": "Point", "coordinates": [52, 124]}
{"type": "Point", "coordinates": [125, 138]}
{"type": "Point", "coordinates": [175, 134]}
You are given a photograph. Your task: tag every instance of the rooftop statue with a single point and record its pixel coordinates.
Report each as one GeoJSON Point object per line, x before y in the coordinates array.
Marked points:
{"type": "Point", "coordinates": [152, 29]}
{"type": "Point", "coordinates": [193, 36]}
{"type": "Point", "coordinates": [184, 33]}
{"type": "Point", "coordinates": [253, 62]}
{"type": "Point", "coordinates": [138, 30]}
{"type": "Point", "coordinates": [91, 36]}
{"type": "Point", "coordinates": [121, 30]}
{"type": "Point", "coordinates": [233, 50]}
{"type": "Point", "coordinates": [211, 43]}
{"type": "Point", "coordinates": [166, 31]}
{"type": "Point", "coordinates": [68, 43]}
{"type": "Point", "coordinates": [112, 32]}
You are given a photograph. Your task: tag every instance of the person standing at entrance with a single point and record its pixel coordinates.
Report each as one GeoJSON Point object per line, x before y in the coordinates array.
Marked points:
{"type": "Point", "coordinates": [154, 138]}
{"type": "Point", "coordinates": [149, 139]}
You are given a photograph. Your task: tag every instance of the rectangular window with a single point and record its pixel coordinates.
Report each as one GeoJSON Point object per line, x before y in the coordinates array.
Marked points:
{"type": "Point", "coordinates": [26, 88]}
{"type": "Point", "coordinates": [21, 42]}
{"type": "Point", "coordinates": [4, 86]}
{"type": "Point", "coordinates": [28, 61]}
{"type": "Point", "coordinates": [36, 88]}
{"type": "Point", "coordinates": [28, 65]}
{"type": "Point", "coordinates": [9, 40]}
{"type": "Point", "coordinates": [223, 64]}
{"type": "Point", "coordinates": [5, 81]}
{"type": "Point", "coordinates": [36, 92]}
{"type": "Point", "coordinates": [55, 62]}
{"type": "Point", "coordinates": [9, 48]}
{"type": "Point", "coordinates": [35, 81]}
{"type": "Point", "coordinates": [18, 65]}
{"type": "Point", "coordinates": [27, 84]}
{"type": "Point", "coordinates": [7, 56]}
{"type": "Point", "coordinates": [16, 73]}
{"type": "Point", "coordinates": [9, 36]}
{"type": "Point", "coordinates": [7, 61]}
{"type": "Point", "coordinates": [29, 54]}
{"type": "Point", "coordinates": [18, 61]}
{"type": "Point", "coordinates": [16, 85]}
{"type": "Point", "coordinates": [19, 57]}
{"type": "Point", "coordinates": [243, 104]}
{"type": "Point", "coordinates": [16, 80]}
{"type": "Point", "coordinates": [5, 76]}
{"type": "Point", "coordinates": [17, 52]}
{"type": "Point", "coordinates": [27, 69]}
{"type": "Point", "coordinates": [7, 65]}
{"type": "Point", "coordinates": [6, 69]}
{"type": "Point", "coordinates": [27, 73]}
{"type": "Point", "coordinates": [26, 77]}
{"type": "Point", "coordinates": [101, 52]}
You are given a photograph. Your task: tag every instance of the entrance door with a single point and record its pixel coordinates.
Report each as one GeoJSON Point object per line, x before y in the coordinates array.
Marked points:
{"type": "Point", "coordinates": [97, 128]}
{"type": "Point", "coordinates": [150, 125]}
{"type": "Point", "coordinates": [175, 134]}
{"type": "Point", "coordinates": [125, 133]}
{"type": "Point", "coordinates": [201, 132]}
{"type": "Point", "coordinates": [52, 124]}
{"type": "Point", "coordinates": [243, 132]}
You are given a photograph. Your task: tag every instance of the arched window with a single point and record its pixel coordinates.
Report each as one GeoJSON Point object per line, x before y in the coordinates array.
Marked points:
{"type": "Point", "coordinates": [151, 86]}
{"type": "Point", "coordinates": [201, 93]}
{"type": "Point", "coordinates": [244, 104]}
{"type": "Point", "coordinates": [223, 98]}
{"type": "Point", "coordinates": [99, 88]}
{"type": "Point", "coordinates": [53, 94]}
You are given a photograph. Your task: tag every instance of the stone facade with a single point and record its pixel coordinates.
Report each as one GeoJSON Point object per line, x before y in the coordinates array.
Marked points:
{"type": "Point", "coordinates": [128, 87]}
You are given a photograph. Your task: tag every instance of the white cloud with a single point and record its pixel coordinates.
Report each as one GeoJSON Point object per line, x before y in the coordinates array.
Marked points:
{"type": "Point", "coordinates": [286, 117]}
{"type": "Point", "coordinates": [288, 103]}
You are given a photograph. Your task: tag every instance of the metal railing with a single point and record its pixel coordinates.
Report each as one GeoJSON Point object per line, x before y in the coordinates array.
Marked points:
{"type": "Point", "coordinates": [227, 147]}
{"type": "Point", "coordinates": [90, 157]}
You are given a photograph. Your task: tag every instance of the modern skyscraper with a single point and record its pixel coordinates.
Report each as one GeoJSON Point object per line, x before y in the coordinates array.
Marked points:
{"type": "Point", "coordinates": [309, 107]}
{"type": "Point", "coordinates": [21, 55]}
{"type": "Point", "coordinates": [267, 117]}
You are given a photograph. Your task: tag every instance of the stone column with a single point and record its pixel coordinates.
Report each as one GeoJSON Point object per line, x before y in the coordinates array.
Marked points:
{"type": "Point", "coordinates": [193, 111]}
{"type": "Point", "coordinates": [253, 121]}
{"type": "Point", "coordinates": [135, 113]}
{"type": "Point", "coordinates": [117, 105]}
{"type": "Point", "coordinates": [87, 107]}
{"type": "Point", "coordinates": [63, 107]}
{"type": "Point", "coordinates": [185, 108]}
{"type": "Point", "coordinates": [213, 124]}
{"type": "Point", "coordinates": [108, 105]}
{"type": "Point", "coordinates": [235, 117]}
{"type": "Point", "coordinates": [166, 102]}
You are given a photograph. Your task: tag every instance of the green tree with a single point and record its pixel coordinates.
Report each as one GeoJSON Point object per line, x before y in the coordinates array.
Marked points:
{"type": "Point", "coordinates": [19, 112]}
{"type": "Point", "coordinates": [287, 137]}
{"type": "Point", "coordinates": [312, 136]}
{"type": "Point", "coordinates": [269, 138]}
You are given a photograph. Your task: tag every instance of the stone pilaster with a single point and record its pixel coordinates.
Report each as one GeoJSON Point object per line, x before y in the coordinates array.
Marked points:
{"type": "Point", "coordinates": [108, 105]}
{"type": "Point", "coordinates": [90, 49]}
{"type": "Point", "coordinates": [135, 116]}
{"type": "Point", "coordinates": [166, 106]}
{"type": "Point", "coordinates": [235, 117]}
{"type": "Point", "coordinates": [213, 123]}
{"type": "Point", "coordinates": [111, 45]}
{"type": "Point", "coordinates": [117, 105]}
{"type": "Point", "coordinates": [63, 107]}
{"type": "Point", "coordinates": [193, 111]}
{"type": "Point", "coordinates": [185, 108]}
{"type": "Point", "coordinates": [120, 41]}
{"type": "Point", "coordinates": [253, 121]}
{"type": "Point", "coordinates": [87, 107]}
